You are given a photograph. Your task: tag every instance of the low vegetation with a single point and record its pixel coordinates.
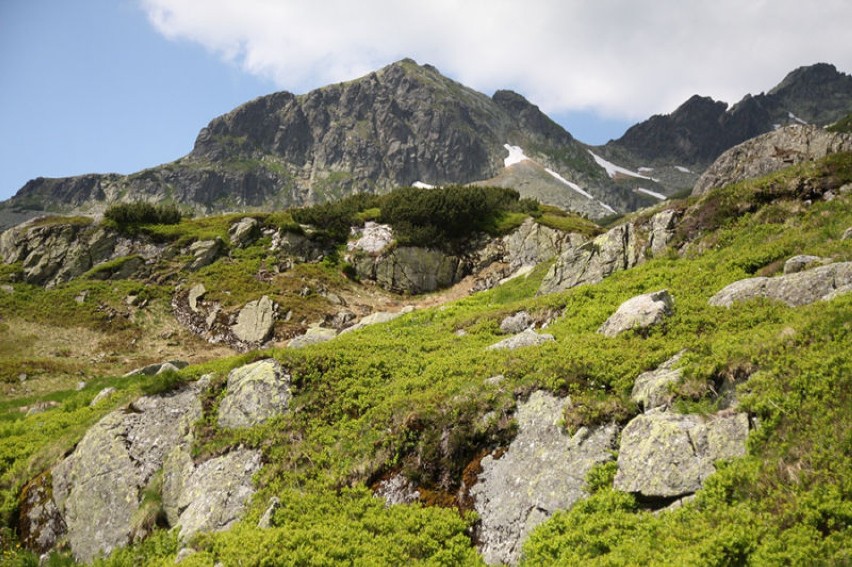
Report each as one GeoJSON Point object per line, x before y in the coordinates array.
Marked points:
{"type": "Point", "coordinates": [412, 397]}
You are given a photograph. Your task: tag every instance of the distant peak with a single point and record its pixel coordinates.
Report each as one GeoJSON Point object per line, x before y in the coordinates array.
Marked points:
{"type": "Point", "coordinates": [809, 74]}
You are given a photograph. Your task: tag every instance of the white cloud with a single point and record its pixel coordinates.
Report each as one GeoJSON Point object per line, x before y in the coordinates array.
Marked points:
{"type": "Point", "coordinates": [620, 58]}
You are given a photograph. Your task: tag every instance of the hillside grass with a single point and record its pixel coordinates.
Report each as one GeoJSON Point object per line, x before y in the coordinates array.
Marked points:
{"type": "Point", "coordinates": [411, 397]}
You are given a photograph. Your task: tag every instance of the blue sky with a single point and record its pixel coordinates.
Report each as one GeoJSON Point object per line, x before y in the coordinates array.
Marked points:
{"type": "Point", "coordinates": [120, 85]}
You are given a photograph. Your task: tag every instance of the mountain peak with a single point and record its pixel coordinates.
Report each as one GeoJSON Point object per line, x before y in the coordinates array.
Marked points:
{"type": "Point", "coordinates": [817, 73]}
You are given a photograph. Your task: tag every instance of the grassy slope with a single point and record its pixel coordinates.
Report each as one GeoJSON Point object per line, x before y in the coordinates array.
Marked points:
{"type": "Point", "coordinates": [411, 396]}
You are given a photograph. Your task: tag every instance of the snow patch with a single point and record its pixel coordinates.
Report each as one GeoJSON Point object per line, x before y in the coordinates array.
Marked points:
{"type": "Point", "coordinates": [607, 207]}
{"type": "Point", "coordinates": [682, 169]}
{"type": "Point", "coordinates": [644, 169]}
{"type": "Point", "coordinates": [796, 118]}
{"type": "Point", "coordinates": [776, 126]}
{"type": "Point", "coordinates": [516, 155]}
{"type": "Point", "coordinates": [421, 185]}
{"type": "Point", "coordinates": [612, 169]}
{"type": "Point", "coordinates": [573, 186]}
{"type": "Point", "coordinates": [659, 196]}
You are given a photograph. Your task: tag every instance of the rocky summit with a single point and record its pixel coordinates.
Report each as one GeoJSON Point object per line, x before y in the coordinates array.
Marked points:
{"type": "Point", "coordinates": [451, 376]}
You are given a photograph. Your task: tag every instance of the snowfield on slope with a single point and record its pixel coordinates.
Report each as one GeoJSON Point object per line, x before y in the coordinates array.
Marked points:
{"type": "Point", "coordinates": [612, 169]}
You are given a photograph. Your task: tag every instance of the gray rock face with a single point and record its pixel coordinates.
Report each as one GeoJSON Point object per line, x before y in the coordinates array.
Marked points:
{"type": "Point", "coordinates": [542, 471]}
{"type": "Point", "coordinates": [56, 252]}
{"type": "Point", "coordinates": [516, 323]}
{"type": "Point", "coordinates": [157, 368]}
{"type": "Point", "coordinates": [312, 336]}
{"type": "Point", "coordinates": [41, 524]}
{"type": "Point", "coordinates": [204, 253]}
{"type": "Point", "coordinates": [300, 247]}
{"type": "Point", "coordinates": [651, 389]}
{"type": "Point", "coordinates": [523, 339]}
{"type": "Point", "coordinates": [211, 496]}
{"type": "Point", "coordinates": [244, 232]}
{"type": "Point", "coordinates": [771, 152]}
{"type": "Point", "coordinates": [803, 262]}
{"type": "Point", "coordinates": [195, 293]}
{"type": "Point", "coordinates": [667, 454]}
{"type": "Point", "coordinates": [412, 270]}
{"type": "Point", "coordinates": [97, 488]}
{"type": "Point", "coordinates": [611, 252]}
{"type": "Point", "coordinates": [255, 393]}
{"type": "Point", "coordinates": [662, 230]}
{"type": "Point", "coordinates": [802, 288]}
{"type": "Point", "coordinates": [639, 312]}
{"type": "Point", "coordinates": [255, 321]}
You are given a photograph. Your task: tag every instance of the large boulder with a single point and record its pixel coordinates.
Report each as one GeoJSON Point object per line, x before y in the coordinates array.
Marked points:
{"type": "Point", "coordinates": [98, 488]}
{"type": "Point", "coordinates": [667, 455]}
{"type": "Point", "coordinates": [639, 312]}
{"type": "Point", "coordinates": [516, 323]}
{"type": "Point", "coordinates": [255, 393]}
{"type": "Point", "coordinates": [796, 289]}
{"type": "Point", "coordinates": [377, 318]}
{"type": "Point", "coordinates": [542, 471]}
{"type": "Point", "coordinates": [803, 262]}
{"type": "Point", "coordinates": [255, 321]}
{"type": "Point", "coordinates": [523, 339]}
{"type": "Point", "coordinates": [373, 239]}
{"type": "Point", "coordinates": [770, 152]}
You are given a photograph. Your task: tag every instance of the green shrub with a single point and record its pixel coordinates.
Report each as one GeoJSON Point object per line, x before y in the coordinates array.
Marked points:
{"type": "Point", "coordinates": [142, 212]}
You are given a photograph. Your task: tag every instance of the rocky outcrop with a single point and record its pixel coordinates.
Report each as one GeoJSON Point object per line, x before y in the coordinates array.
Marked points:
{"type": "Point", "coordinates": [377, 318]}
{"type": "Point", "coordinates": [210, 496]}
{"type": "Point", "coordinates": [158, 368]}
{"type": "Point", "coordinates": [771, 152]}
{"type": "Point", "coordinates": [244, 232]}
{"type": "Point", "coordinates": [542, 471]}
{"type": "Point", "coordinates": [397, 490]}
{"type": "Point", "coordinates": [640, 312]}
{"type": "Point", "coordinates": [255, 393]}
{"type": "Point", "coordinates": [41, 524]}
{"type": "Point", "coordinates": [204, 253]}
{"type": "Point", "coordinates": [529, 245]}
{"type": "Point", "coordinates": [651, 389]}
{"type": "Point", "coordinates": [97, 488]}
{"type": "Point", "coordinates": [55, 250]}
{"type": "Point", "coordinates": [412, 270]}
{"type": "Point", "coordinates": [666, 455]}
{"type": "Point", "coordinates": [796, 289]}
{"type": "Point", "coordinates": [590, 263]}
{"type": "Point", "coordinates": [255, 321]}
{"type": "Point", "coordinates": [523, 339]}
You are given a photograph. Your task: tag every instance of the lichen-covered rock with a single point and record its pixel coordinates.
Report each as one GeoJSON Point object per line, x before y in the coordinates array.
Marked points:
{"type": "Point", "coordinates": [610, 252]}
{"type": "Point", "coordinates": [639, 312]}
{"type": "Point", "coordinates": [651, 389]}
{"type": "Point", "coordinates": [666, 454]}
{"type": "Point", "coordinates": [662, 230]}
{"type": "Point", "coordinates": [41, 524]}
{"type": "Point", "coordinates": [770, 152]}
{"type": "Point", "coordinates": [409, 269]}
{"type": "Point", "coordinates": [312, 336]}
{"type": "Point", "coordinates": [204, 253]}
{"type": "Point", "coordinates": [213, 495]}
{"type": "Point", "coordinates": [195, 294]}
{"type": "Point", "coordinates": [97, 488]}
{"type": "Point", "coordinates": [255, 321]}
{"type": "Point", "coordinates": [523, 339]}
{"type": "Point", "coordinates": [244, 232]}
{"type": "Point", "coordinates": [542, 471]}
{"type": "Point", "coordinates": [255, 393]}
{"type": "Point", "coordinates": [516, 322]}
{"type": "Point", "coordinates": [796, 289]}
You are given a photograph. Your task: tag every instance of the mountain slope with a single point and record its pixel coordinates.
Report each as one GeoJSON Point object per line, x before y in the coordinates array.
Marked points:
{"type": "Point", "coordinates": [403, 124]}
{"type": "Point", "coordinates": [699, 130]}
